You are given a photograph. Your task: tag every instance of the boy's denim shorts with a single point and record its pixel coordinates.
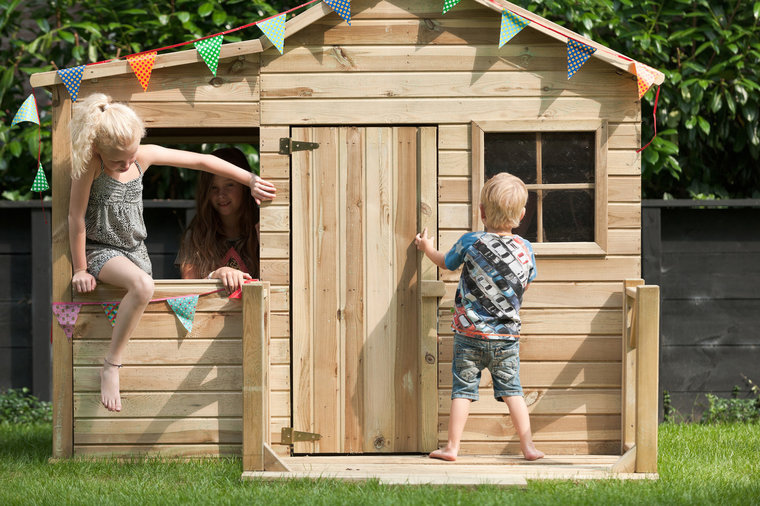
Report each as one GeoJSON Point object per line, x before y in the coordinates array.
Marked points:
{"type": "Point", "coordinates": [501, 357]}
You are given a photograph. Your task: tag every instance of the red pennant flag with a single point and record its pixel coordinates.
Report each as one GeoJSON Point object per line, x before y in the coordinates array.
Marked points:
{"type": "Point", "coordinates": [142, 65]}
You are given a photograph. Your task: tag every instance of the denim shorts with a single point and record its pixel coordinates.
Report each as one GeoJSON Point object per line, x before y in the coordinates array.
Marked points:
{"type": "Point", "coordinates": [501, 357]}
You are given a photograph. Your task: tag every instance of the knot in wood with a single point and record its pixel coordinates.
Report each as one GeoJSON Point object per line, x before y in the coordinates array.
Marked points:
{"type": "Point", "coordinates": [216, 82]}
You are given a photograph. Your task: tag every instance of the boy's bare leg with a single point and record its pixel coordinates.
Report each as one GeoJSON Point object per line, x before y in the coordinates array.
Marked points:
{"type": "Point", "coordinates": [121, 272]}
{"type": "Point", "coordinates": [460, 409]}
{"type": "Point", "coordinates": [518, 410]}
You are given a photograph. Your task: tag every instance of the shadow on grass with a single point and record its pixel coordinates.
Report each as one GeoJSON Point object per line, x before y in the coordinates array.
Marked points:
{"type": "Point", "coordinates": [29, 442]}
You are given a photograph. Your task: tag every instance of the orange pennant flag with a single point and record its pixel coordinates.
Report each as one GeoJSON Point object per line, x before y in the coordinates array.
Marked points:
{"type": "Point", "coordinates": [142, 65]}
{"type": "Point", "coordinates": [645, 76]}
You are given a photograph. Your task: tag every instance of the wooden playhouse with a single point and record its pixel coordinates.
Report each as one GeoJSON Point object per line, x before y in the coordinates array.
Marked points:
{"type": "Point", "coordinates": [371, 132]}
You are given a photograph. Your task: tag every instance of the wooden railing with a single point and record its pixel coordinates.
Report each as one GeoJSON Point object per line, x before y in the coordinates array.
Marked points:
{"type": "Point", "coordinates": [641, 345]}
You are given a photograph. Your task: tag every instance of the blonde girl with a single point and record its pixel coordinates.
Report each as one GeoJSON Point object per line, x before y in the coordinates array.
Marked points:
{"type": "Point", "coordinates": [106, 227]}
{"type": "Point", "coordinates": [222, 240]}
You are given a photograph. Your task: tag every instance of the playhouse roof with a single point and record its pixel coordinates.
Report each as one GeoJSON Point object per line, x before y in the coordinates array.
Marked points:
{"type": "Point", "coordinates": [306, 18]}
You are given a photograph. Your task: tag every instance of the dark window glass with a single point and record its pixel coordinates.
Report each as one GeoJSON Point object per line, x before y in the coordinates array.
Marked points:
{"type": "Point", "coordinates": [529, 225]}
{"type": "Point", "coordinates": [511, 152]}
{"type": "Point", "coordinates": [567, 157]}
{"type": "Point", "coordinates": [568, 216]}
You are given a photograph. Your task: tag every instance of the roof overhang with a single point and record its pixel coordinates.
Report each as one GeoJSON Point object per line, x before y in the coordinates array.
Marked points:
{"type": "Point", "coordinates": [306, 18]}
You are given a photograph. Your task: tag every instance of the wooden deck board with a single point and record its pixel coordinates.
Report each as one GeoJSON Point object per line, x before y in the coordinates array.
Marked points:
{"type": "Point", "coordinates": [468, 470]}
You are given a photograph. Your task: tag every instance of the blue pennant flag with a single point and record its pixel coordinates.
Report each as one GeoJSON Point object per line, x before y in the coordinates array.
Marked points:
{"type": "Point", "coordinates": [577, 54]}
{"type": "Point", "coordinates": [342, 7]}
{"type": "Point", "coordinates": [71, 78]}
{"type": "Point", "coordinates": [511, 25]}
{"type": "Point", "coordinates": [184, 308]}
{"type": "Point", "coordinates": [274, 29]}
{"type": "Point", "coordinates": [27, 112]}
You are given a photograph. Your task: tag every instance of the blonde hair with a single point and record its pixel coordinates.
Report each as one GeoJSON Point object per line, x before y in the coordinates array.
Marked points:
{"type": "Point", "coordinates": [99, 121]}
{"type": "Point", "coordinates": [503, 198]}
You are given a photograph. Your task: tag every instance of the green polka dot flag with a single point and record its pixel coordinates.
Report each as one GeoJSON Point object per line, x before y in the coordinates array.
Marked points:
{"type": "Point", "coordinates": [40, 182]}
{"type": "Point", "coordinates": [448, 5]}
{"type": "Point", "coordinates": [209, 51]}
{"type": "Point", "coordinates": [274, 29]}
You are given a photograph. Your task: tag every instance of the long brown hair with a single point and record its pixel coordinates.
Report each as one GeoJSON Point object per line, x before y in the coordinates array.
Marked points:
{"type": "Point", "coordinates": [204, 245]}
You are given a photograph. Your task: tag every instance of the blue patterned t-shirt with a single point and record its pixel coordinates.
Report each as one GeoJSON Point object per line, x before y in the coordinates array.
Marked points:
{"type": "Point", "coordinates": [497, 270]}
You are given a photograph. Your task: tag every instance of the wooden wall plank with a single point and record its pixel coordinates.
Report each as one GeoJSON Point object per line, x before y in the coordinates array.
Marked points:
{"type": "Point", "coordinates": [95, 326]}
{"type": "Point", "coordinates": [445, 110]}
{"type": "Point", "coordinates": [547, 402]}
{"type": "Point", "coordinates": [563, 348]}
{"type": "Point", "coordinates": [558, 321]}
{"type": "Point", "coordinates": [214, 114]}
{"type": "Point", "coordinates": [367, 85]}
{"type": "Point", "coordinates": [236, 81]}
{"type": "Point", "coordinates": [395, 56]}
{"type": "Point", "coordinates": [169, 352]}
{"type": "Point", "coordinates": [499, 428]}
{"type": "Point", "coordinates": [551, 375]}
{"type": "Point", "coordinates": [134, 431]}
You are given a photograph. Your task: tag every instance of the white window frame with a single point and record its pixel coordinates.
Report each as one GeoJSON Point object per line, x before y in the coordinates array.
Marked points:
{"type": "Point", "coordinates": [597, 247]}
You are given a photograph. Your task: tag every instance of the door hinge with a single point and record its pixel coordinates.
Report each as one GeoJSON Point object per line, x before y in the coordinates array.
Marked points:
{"type": "Point", "coordinates": [288, 145]}
{"type": "Point", "coordinates": [288, 436]}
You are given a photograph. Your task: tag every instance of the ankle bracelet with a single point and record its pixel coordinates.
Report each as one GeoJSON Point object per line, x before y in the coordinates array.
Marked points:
{"type": "Point", "coordinates": [118, 366]}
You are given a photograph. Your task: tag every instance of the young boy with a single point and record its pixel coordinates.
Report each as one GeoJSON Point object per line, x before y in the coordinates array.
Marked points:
{"type": "Point", "coordinates": [498, 266]}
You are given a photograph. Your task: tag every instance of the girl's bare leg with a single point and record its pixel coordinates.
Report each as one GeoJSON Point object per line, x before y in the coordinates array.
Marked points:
{"type": "Point", "coordinates": [460, 409]}
{"type": "Point", "coordinates": [121, 272]}
{"type": "Point", "coordinates": [518, 410]}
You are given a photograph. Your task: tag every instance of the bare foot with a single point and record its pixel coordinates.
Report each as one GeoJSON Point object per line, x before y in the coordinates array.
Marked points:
{"type": "Point", "coordinates": [109, 387]}
{"type": "Point", "coordinates": [444, 454]}
{"type": "Point", "coordinates": [530, 453]}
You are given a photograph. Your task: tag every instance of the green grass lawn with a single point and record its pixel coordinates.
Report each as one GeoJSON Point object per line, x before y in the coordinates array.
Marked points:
{"type": "Point", "coordinates": [699, 464]}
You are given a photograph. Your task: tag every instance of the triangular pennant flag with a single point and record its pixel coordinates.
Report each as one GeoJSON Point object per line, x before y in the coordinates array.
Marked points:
{"type": "Point", "coordinates": [274, 29]}
{"type": "Point", "coordinates": [511, 24]}
{"type": "Point", "coordinates": [184, 308]}
{"type": "Point", "coordinates": [342, 7]}
{"type": "Point", "coordinates": [142, 66]}
{"type": "Point", "coordinates": [67, 315]}
{"type": "Point", "coordinates": [110, 310]}
{"type": "Point", "coordinates": [71, 78]}
{"type": "Point", "coordinates": [645, 77]}
{"type": "Point", "coordinates": [40, 182]}
{"type": "Point", "coordinates": [448, 5]}
{"type": "Point", "coordinates": [238, 294]}
{"type": "Point", "coordinates": [209, 51]}
{"type": "Point", "coordinates": [577, 54]}
{"type": "Point", "coordinates": [27, 111]}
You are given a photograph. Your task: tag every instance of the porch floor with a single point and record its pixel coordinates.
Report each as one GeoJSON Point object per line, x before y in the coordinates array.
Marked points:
{"type": "Point", "coordinates": [499, 470]}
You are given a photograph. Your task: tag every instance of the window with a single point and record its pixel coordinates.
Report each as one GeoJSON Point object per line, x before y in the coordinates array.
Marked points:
{"type": "Point", "coordinates": [563, 165]}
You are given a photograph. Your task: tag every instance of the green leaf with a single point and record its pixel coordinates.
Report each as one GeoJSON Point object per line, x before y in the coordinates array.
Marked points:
{"type": "Point", "coordinates": [703, 125]}
{"type": "Point", "coordinates": [716, 103]}
{"type": "Point", "coordinates": [756, 10]}
{"type": "Point", "coordinates": [219, 17]}
{"type": "Point", "coordinates": [67, 36]}
{"type": "Point", "coordinates": [15, 148]}
{"type": "Point", "coordinates": [183, 16]}
{"type": "Point", "coordinates": [205, 9]}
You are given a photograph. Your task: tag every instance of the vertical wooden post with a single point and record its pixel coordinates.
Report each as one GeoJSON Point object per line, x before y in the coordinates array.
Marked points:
{"type": "Point", "coordinates": [647, 377]}
{"type": "Point", "coordinates": [628, 383]}
{"type": "Point", "coordinates": [478, 174]}
{"type": "Point", "coordinates": [63, 396]}
{"type": "Point", "coordinates": [255, 375]}
{"type": "Point", "coordinates": [41, 314]}
{"type": "Point", "coordinates": [427, 217]}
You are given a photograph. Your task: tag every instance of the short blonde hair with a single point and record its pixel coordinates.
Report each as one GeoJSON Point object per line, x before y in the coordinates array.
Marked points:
{"type": "Point", "coordinates": [503, 198]}
{"type": "Point", "coordinates": [99, 121]}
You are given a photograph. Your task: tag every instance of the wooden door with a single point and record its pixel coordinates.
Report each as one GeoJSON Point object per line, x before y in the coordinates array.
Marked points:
{"type": "Point", "coordinates": [363, 336]}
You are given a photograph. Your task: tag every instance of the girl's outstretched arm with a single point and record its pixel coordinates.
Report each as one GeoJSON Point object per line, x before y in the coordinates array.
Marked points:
{"type": "Point", "coordinates": [158, 155]}
{"type": "Point", "coordinates": [82, 280]}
